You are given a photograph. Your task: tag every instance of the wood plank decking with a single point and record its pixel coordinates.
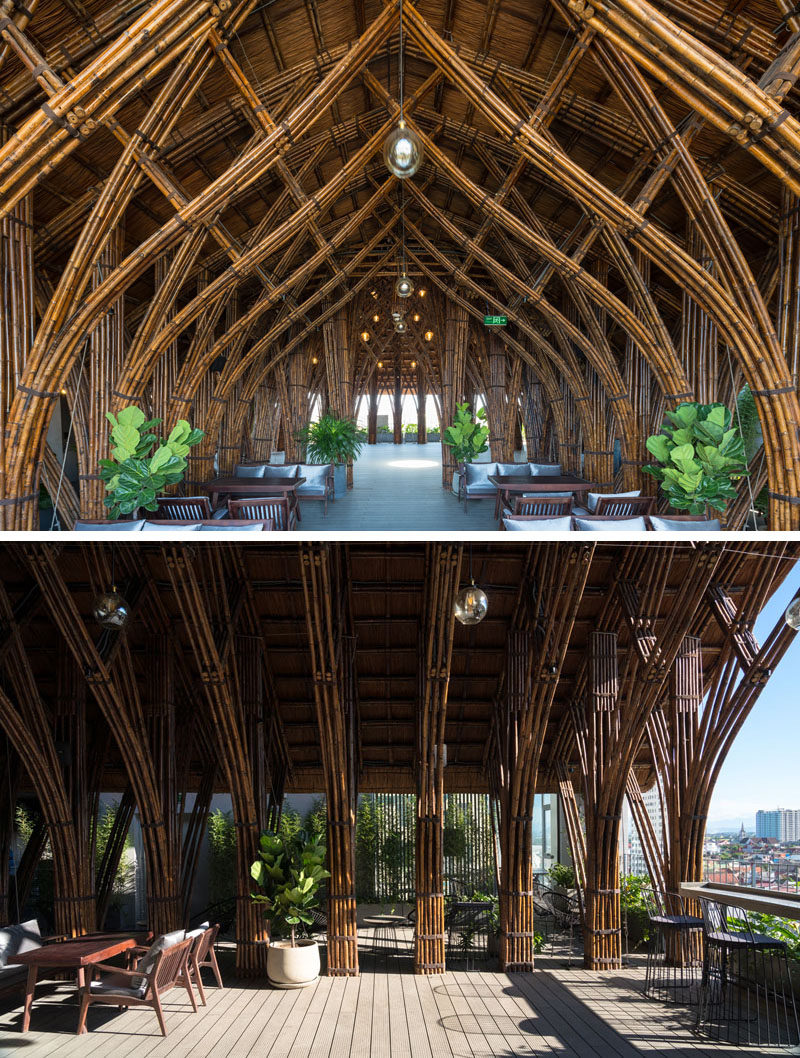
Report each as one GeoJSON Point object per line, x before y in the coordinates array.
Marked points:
{"type": "Point", "coordinates": [398, 487]}
{"type": "Point", "coordinates": [555, 1012]}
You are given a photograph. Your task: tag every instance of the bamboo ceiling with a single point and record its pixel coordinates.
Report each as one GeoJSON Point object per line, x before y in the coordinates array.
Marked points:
{"type": "Point", "coordinates": [619, 178]}
{"type": "Point", "coordinates": [255, 595]}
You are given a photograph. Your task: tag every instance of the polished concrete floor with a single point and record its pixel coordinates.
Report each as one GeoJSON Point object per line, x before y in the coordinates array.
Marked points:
{"type": "Point", "coordinates": [398, 488]}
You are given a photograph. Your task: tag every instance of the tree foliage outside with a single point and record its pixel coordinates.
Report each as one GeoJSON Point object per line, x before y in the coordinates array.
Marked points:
{"type": "Point", "coordinates": [222, 857]}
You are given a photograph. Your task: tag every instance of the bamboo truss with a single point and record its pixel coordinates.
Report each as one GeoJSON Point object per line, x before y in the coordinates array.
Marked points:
{"type": "Point", "coordinates": [654, 273]}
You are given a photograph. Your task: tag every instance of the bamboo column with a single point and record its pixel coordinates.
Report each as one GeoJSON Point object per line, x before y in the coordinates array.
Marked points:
{"type": "Point", "coordinates": [332, 647]}
{"type": "Point", "coordinates": [454, 355]}
{"type": "Point", "coordinates": [397, 399]}
{"type": "Point", "coordinates": [789, 281]}
{"type": "Point", "coordinates": [422, 425]}
{"type": "Point", "coordinates": [443, 575]}
{"type": "Point", "coordinates": [16, 290]}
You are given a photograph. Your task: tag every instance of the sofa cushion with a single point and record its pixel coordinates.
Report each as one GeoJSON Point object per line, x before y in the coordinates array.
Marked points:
{"type": "Point", "coordinates": [315, 476]}
{"type": "Point", "coordinates": [134, 525]}
{"type": "Point", "coordinates": [255, 470]}
{"type": "Point", "coordinates": [160, 944]}
{"type": "Point", "coordinates": [545, 468]}
{"type": "Point", "coordinates": [19, 938]}
{"type": "Point", "coordinates": [10, 975]}
{"type": "Point", "coordinates": [178, 527]}
{"type": "Point", "coordinates": [671, 525]}
{"type": "Point", "coordinates": [231, 526]}
{"type": "Point", "coordinates": [284, 473]}
{"type": "Point", "coordinates": [593, 497]}
{"type": "Point", "coordinates": [478, 474]}
{"type": "Point", "coordinates": [543, 525]}
{"type": "Point", "coordinates": [512, 469]}
{"type": "Point", "coordinates": [119, 986]}
{"type": "Point", "coordinates": [616, 525]}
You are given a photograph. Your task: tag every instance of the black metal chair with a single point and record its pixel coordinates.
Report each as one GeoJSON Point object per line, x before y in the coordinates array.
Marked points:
{"type": "Point", "coordinates": [746, 992]}
{"type": "Point", "coordinates": [674, 952]}
{"type": "Point", "coordinates": [468, 925]}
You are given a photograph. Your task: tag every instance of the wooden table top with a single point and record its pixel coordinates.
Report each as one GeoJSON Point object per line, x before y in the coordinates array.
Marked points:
{"type": "Point", "coordinates": [82, 951]}
{"type": "Point", "coordinates": [540, 482]}
{"type": "Point", "coordinates": [764, 901]}
{"type": "Point", "coordinates": [252, 485]}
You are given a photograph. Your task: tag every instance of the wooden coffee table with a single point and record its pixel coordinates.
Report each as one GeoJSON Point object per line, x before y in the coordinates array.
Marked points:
{"type": "Point", "coordinates": [517, 484]}
{"type": "Point", "coordinates": [267, 486]}
{"type": "Point", "coordinates": [68, 955]}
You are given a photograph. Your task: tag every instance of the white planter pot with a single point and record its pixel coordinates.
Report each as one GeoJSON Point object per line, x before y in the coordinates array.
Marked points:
{"type": "Point", "coordinates": [289, 967]}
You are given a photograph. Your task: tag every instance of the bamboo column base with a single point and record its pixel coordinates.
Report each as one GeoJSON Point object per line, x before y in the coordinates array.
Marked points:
{"type": "Point", "coordinates": [429, 934]}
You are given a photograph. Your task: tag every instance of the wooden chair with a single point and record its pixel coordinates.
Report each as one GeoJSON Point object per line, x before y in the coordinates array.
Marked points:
{"type": "Point", "coordinates": [201, 955]}
{"type": "Point", "coordinates": [132, 988]}
{"type": "Point", "coordinates": [184, 508]}
{"type": "Point", "coordinates": [544, 506]}
{"type": "Point", "coordinates": [264, 508]}
{"type": "Point", "coordinates": [624, 506]}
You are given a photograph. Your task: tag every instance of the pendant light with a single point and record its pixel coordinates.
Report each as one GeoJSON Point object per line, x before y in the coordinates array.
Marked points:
{"type": "Point", "coordinates": [403, 286]}
{"type": "Point", "coordinates": [792, 615]}
{"type": "Point", "coordinates": [402, 149]}
{"type": "Point", "coordinates": [471, 605]}
{"type": "Point", "coordinates": [110, 609]}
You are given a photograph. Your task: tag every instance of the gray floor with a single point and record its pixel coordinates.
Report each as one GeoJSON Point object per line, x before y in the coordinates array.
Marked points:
{"type": "Point", "coordinates": [387, 1012]}
{"type": "Point", "coordinates": [398, 487]}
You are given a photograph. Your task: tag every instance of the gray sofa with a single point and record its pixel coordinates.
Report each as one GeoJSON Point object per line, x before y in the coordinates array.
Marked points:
{"type": "Point", "coordinates": [14, 940]}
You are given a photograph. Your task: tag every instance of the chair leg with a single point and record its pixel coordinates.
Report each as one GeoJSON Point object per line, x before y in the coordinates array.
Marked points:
{"type": "Point", "coordinates": [159, 1013]}
{"type": "Point", "coordinates": [82, 1013]}
{"type": "Point", "coordinates": [212, 956]}
{"type": "Point", "coordinates": [188, 983]}
{"type": "Point", "coordinates": [198, 979]}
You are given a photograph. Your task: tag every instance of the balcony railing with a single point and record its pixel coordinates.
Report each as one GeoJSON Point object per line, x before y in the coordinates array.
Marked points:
{"type": "Point", "coordinates": [778, 875]}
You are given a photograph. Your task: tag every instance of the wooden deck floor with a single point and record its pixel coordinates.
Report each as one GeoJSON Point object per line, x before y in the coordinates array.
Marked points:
{"type": "Point", "coordinates": [554, 1012]}
{"type": "Point", "coordinates": [398, 487]}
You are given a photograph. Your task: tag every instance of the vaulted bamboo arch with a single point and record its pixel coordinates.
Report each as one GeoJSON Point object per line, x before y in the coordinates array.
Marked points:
{"type": "Point", "coordinates": [291, 221]}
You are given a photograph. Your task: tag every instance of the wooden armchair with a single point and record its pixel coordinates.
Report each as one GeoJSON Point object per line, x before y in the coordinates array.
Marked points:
{"type": "Point", "coordinates": [544, 506]}
{"type": "Point", "coordinates": [265, 508]}
{"type": "Point", "coordinates": [183, 508]}
{"type": "Point", "coordinates": [132, 988]}
{"type": "Point", "coordinates": [624, 506]}
{"type": "Point", "coordinates": [201, 955]}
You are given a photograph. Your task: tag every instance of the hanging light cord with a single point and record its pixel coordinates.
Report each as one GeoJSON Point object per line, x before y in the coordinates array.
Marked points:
{"type": "Point", "coordinates": [401, 64]}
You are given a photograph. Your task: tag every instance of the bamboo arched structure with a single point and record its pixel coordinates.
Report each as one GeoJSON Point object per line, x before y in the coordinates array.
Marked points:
{"type": "Point", "coordinates": [194, 214]}
{"type": "Point", "coordinates": [260, 669]}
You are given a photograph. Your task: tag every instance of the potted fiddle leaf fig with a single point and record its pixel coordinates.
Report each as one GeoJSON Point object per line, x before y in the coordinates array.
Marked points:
{"type": "Point", "coordinates": [468, 436]}
{"type": "Point", "coordinates": [700, 456]}
{"type": "Point", "coordinates": [333, 440]}
{"type": "Point", "coordinates": [289, 872]}
{"type": "Point", "coordinates": [136, 473]}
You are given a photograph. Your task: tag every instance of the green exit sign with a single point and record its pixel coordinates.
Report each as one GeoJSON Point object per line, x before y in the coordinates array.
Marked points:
{"type": "Point", "coordinates": [495, 321]}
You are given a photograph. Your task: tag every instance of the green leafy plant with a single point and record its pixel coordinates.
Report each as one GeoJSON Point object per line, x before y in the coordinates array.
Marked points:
{"type": "Point", "coordinates": [331, 440]}
{"type": "Point", "coordinates": [289, 873]}
{"type": "Point", "coordinates": [135, 474]}
{"type": "Point", "coordinates": [635, 907]}
{"type": "Point", "coordinates": [222, 856]}
{"type": "Point", "coordinates": [562, 874]}
{"type": "Point", "coordinates": [699, 456]}
{"type": "Point", "coordinates": [467, 436]}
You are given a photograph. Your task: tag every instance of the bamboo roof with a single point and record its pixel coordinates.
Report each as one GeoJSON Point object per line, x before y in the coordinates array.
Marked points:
{"type": "Point", "coordinates": [263, 600]}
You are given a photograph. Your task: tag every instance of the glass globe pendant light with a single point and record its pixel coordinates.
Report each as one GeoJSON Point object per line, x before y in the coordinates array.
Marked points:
{"type": "Point", "coordinates": [471, 604]}
{"type": "Point", "coordinates": [400, 325]}
{"type": "Point", "coordinates": [403, 287]}
{"type": "Point", "coordinates": [110, 609]}
{"type": "Point", "coordinates": [792, 615]}
{"type": "Point", "coordinates": [402, 149]}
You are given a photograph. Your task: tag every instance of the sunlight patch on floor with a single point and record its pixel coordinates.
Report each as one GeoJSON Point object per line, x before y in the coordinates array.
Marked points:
{"type": "Point", "coordinates": [413, 464]}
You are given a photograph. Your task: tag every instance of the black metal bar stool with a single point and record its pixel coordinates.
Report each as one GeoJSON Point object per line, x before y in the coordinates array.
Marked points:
{"type": "Point", "coordinates": [674, 953]}
{"type": "Point", "coordinates": [746, 992]}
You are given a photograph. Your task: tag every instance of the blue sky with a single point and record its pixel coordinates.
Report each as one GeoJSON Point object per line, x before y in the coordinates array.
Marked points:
{"type": "Point", "coordinates": [762, 769]}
